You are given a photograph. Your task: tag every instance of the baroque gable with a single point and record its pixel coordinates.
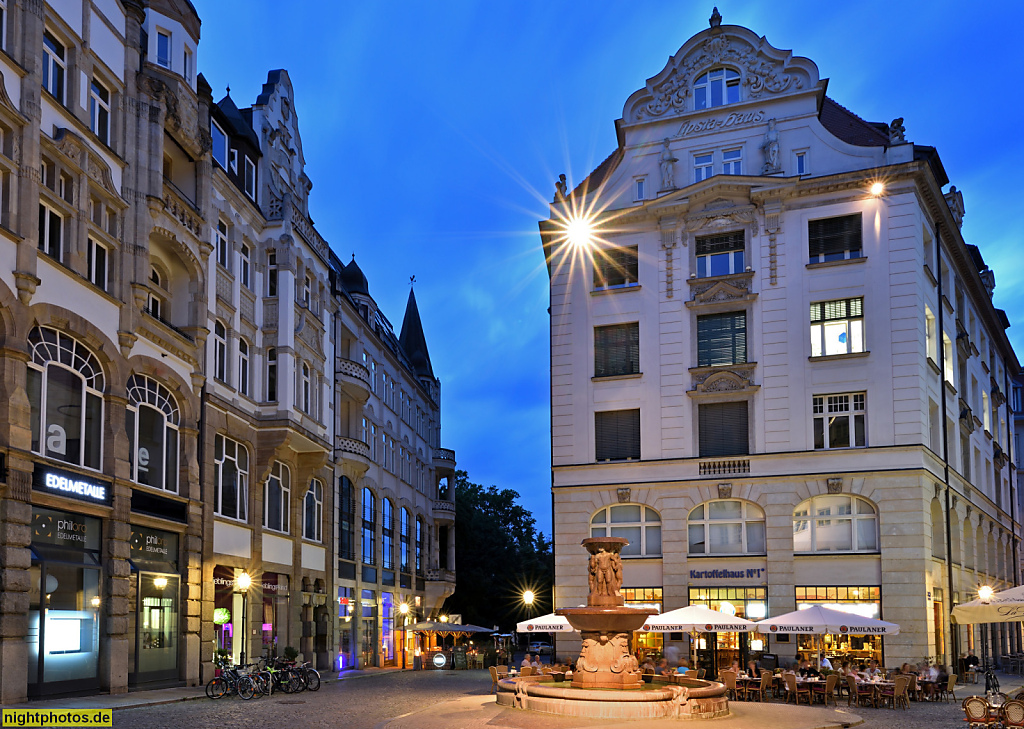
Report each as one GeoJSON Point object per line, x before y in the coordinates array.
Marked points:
{"type": "Point", "coordinates": [281, 143]}
{"type": "Point", "coordinates": [764, 71]}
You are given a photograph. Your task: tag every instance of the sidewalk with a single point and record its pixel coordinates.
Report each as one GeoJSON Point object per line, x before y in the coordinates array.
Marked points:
{"type": "Point", "coordinates": [153, 697]}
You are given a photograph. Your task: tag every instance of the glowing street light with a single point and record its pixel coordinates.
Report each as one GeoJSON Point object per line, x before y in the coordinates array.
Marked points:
{"type": "Point", "coordinates": [528, 597]}
{"type": "Point", "coordinates": [985, 593]}
{"type": "Point", "coordinates": [244, 582]}
{"type": "Point", "coordinates": [404, 610]}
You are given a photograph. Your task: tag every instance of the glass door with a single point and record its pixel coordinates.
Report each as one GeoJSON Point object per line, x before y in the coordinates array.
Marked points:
{"type": "Point", "coordinates": [156, 628]}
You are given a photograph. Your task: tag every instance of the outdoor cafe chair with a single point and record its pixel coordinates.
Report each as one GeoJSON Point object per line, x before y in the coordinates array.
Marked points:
{"type": "Point", "coordinates": [527, 671]}
{"type": "Point", "coordinates": [945, 692]}
{"type": "Point", "coordinates": [860, 693]}
{"type": "Point", "coordinates": [494, 678]}
{"type": "Point", "coordinates": [826, 691]}
{"type": "Point", "coordinates": [762, 691]}
{"type": "Point", "coordinates": [894, 695]}
{"type": "Point", "coordinates": [976, 713]}
{"type": "Point", "coordinates": [1013, 714]}
{"type": "Point", "coordinates": [795, 691]}
{"type": "Point", "coordinates": [501, 669]}
{"type": "Point", "coordinates": [692, 673]}
{"type": "Point", "coordinates": [729, 679]}
{"type": "Point", "coordinates": [701, 672]}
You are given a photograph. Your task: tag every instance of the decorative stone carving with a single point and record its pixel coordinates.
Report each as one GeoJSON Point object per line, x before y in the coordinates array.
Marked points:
{"type": "Point", "coordinates": [715, 20]}
{"type": "Point", "coordinates": [834, 485]}
{"type": "Point", "coordinates": [969, 509]}
{"type": "Point", "coordinates": [955, 200]}
{"type": "Point", "coordinates": [938, 490]}
{"type": "Point", "coordinates": [667, 226]}
{"type": "Point", "coordinates": [770, 147]}
{"type": "Point", "coordinates": [725, 490]}
{"type": "Point", "coordinates": [667, 163]}
{"type": "Point", "coordinates": [605, 578]}
{"type": "Point", "coordinates": [897, 132]}
{"type": "Point", "coordinates": [721, 379]}
{"type": "Point", "coordinates": [561, 189]}
{"type": "Point", "coordinates": [734, 290]}
{"type": "Point", "coordinates": [773, 226]}
{"type": "Point", "coordinates": [720, 214]}
{"type": "Point", "coordinates": [624, 495]}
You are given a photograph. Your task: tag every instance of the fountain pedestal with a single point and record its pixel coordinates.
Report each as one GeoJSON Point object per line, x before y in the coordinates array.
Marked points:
{"type": "Point", "coordinates": [606, 625]}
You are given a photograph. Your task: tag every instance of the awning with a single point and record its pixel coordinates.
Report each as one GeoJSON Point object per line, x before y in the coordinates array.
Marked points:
{"type": "Point", "coordinates": [697, 619]}
{"type": "Point", "coordinates": [549, 623]}
{"type": "Point", "coordinates": [818, 619]}
{"type": "Point", "coordinates": [1003, 607]}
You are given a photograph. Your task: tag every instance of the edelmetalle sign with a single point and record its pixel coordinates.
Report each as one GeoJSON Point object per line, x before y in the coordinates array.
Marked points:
{"type": "Point", "coordinates": [66, 483]}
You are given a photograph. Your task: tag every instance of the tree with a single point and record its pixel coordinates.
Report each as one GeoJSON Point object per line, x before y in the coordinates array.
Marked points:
{"type": "Point", "coordinates": [499, 553]}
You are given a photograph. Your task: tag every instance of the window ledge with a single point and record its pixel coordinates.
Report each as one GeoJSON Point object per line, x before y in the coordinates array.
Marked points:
{"type": "Point", "coordinates": [850, 553]}
{"type": "Point", "coordinates": [720, 555]}
{"type": "Point", "coordinates": [231, 519]}
{"type": "Point", "coordinates": [832, 357]}
{"type": "Point", "coordinates": [614, 289]}
{"type": "Point", "coordinates": [840, 448]}
{"type": "Point", "coordinates": [844, 262]}
{"type": "Point", "coordinates": [933, 365]}
{"type": "Point", "coordinates": [931, 276]}
{"type": "Point", "coordinates": [276, 531]}
{"type": "Point", "coordinates": [607, 378]}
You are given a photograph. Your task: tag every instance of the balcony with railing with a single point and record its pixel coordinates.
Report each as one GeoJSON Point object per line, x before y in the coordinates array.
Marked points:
{"type": "Point", "coordinates": [444, 462]}
{"type": "Point", "coordinates": [353, 379]}
{"type": "Point", "coordinates": [353, 450]}
{"type": "Point", "coordinates": [444, 511]}
{"type": "Point", "coordinates": [177, 330]}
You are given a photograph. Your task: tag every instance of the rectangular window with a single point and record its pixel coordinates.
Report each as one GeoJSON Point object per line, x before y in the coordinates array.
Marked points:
{"type": "Point", "coordinates": [54, 66]}
{"type": "Point", "coordinates": [271, 274]}
{"type": "Point", "coordinates": [640, 184]}
{"type": "Point", "coordinates": [837, 327]}
{"type": "Point", "coordinates": [97, 255]}
{"type": "Point", "coordinates": [839, 421]}
{"type": "Point", "coordinates": [615, 268]}
{"type": "Point", "coordinates": [271, 375]}
{"type": "Point", "coordinates": [233, 159]}
{"type": "Point", "coordinates": [723, 429]}
{"type": "Point", "coordinates": [243, 367]}
{"type": "Point", "coordinates": [722, 339]}
{"type": "Point", "coordinates": [930, 336]}
{"type": "Point", "coordinates": [834, 239]}
{"type": "Point", "coordinates": [189, 64]}
{"type": "Point", "coordinates": [720, 255]}
{"type": "Point", "coordinates": [219, 142]}
{"type": "Point", "coordinates": [99, 111]}
{"type": "Point", "coordinates": [222, 243]}
{"type": "Point", "coordinates": [307, 291]}
{"type": "Point", "coordinates": [617, 435]}
{"type": "Point", "coordinates": [244, 264]}
{"type": "Point", "coordinates": [163, 49]}
{"type": "Point", "coordinates": [250, 178]}
{"type": "Point", "coordinates": [801, 163]}
{"type": "Point", "coordinates": [732, 162]}
{"type": "Point", "coordinates": [702, 166]}
{"type": "Point", "coordinates": [50, 232]}
{"type": "Point", "coordinates": [617, 350]}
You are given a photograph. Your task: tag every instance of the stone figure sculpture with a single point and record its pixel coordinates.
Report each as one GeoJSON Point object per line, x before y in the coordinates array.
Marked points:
{"type": "Point", "coordinates": [770, 145]}
{"type": "Point", "coordinates": [668, 167]}
{"type": "Point", "coordinates": [605, 573]}
{"type": "Point", "coordinates": [897, 132]}
{"type": "Point", "coordinates": [561, 188]}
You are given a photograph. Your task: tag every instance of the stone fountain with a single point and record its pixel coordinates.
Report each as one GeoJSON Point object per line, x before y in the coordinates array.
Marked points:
{"type": "Point", "coordinates": [605, 624]}
{"type": "Point", "coordinates": [605, 662]}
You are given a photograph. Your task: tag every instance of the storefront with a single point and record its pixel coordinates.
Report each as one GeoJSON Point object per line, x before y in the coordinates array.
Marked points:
{"type": "Point", "coordinates": [388, 650]}
{"type": "Point", "coordinates": [346, 629]}
{"type": "Point", "coordinates": [228, 614]}
{"type": "Point", "coordinates": [64, 603]}
{"type": "Point", "coordinates": [275, 627]}
{"type": "Point", "coordinates": [719, 650]}
{"type": "Point", "coordinates": [368, 626]}
{"type": "Point", "coordinates": [649, 598]}
{"type": "Point", "coordinates": [860, 600]}
{"type": "Point", "coordinates": [154, 596]}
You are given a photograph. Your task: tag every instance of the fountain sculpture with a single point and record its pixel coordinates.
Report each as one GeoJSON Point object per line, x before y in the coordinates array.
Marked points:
{"type": "Point", "coordinates": [605, 662]}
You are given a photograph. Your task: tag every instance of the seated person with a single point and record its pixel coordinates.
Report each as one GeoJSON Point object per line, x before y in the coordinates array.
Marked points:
{"type": "Point", "coordinates": [526, 661]}
{"type": "Point", "coordinates": [536, 660]}
{"type": "Point", "coordinates": [808, 671]}
{"type": "Point", "coordinates": [662, 668]}
{"type": "Point", "coordinates": [824, 663]}
{"type": "Point", "coordinates": [752, 669]}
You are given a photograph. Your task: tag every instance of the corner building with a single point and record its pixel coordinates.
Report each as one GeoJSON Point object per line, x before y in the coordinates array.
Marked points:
{"type": "Point", "coordinates": [184, 375]}
{"type": "Point", "coordinates": [777, 369]}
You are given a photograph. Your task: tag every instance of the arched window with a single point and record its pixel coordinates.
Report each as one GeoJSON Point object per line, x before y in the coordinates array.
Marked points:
{"type": "Point", "coordinates": [271, 375]}
{"type": "Point", "coordinates": [938, 531]}
{"type": "Point", "coordinates": [369, 536]}
{"type": "Point", "coordinates": [152, 426]}
{"type": "Point", "coordinates": [716, 87]}
{"type": "Point", "coordinates": [403, 533]}
{"type": "Point", "coordinates": [65, 391]}
{"type": "Point", "coordinates": [641, 525]}
{"type": "Point", "coordinates": [231, 473]}
{"type": "Point", "coordinates": [835, 523]}
{"type": "Point", "coordinates": [313, 511]}
{"type": "Point", "coordinates": [243, 366]}
{"type": "Point", "coordinates": [419, 545]}
{"type": "Point", "coordinates": [276, 498]}
{"type": "Point", "coordinates": [220, 352]}
{"type": "Point", "coordinates": [726, 526]}
{"type": "Point", "coordinates": [387, 535]}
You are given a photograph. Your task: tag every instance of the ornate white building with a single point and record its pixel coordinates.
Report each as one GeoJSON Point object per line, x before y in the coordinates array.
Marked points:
{"type": "Point", "coordinates": [777, 368]}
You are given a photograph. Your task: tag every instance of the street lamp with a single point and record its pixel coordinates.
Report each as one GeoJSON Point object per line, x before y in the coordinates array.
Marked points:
{"type": "Point", "coordinates": [243, 582]}
{"type": "Point", "coordinates": [404, 610]}
{"type": "Point", "coordinates": [528, 597]}
{"type": "Point", "coordinates": [985, 593]}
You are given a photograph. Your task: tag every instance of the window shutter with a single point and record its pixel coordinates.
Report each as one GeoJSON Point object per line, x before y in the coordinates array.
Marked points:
{"type": "Point", "coordinates": [615, 267]}
{"type": "Point", "coordinates": [723, 429]}
{"type": "Point", "coordinates": [834, 235]}
{"type": "Point", "coordinates": [723, 243]}
{"type": "Point", "coordinates": [617, 435]}
{"type": "Point", "coordinates": [722, 339]}
{"type": "Point", "coordinates": [617, 350]}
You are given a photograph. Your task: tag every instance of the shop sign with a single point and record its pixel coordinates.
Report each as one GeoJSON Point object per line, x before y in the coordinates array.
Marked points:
{"type": "Point", "coordinates": [72, 485]}
{"type": "Point", "coordinates": [153, 545]}
{"type": "Point", "coordinates": [440, 660]}
{"type": "Point", "coordinates": [65, 530]}
{"type": "Point", "coordinates": [714, 124]}
{"type": "Point", "coordinates": [751, 573]}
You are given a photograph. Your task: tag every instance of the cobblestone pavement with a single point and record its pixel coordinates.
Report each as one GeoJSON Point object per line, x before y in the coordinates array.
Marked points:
{"type": "Point", "coordinates": [356, 703]}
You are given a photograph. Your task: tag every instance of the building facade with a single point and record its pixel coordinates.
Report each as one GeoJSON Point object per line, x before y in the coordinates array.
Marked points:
{"type": "Point", "coordinates": [776, 366]}
{"type": "Point", "coordinates": [186, 380]}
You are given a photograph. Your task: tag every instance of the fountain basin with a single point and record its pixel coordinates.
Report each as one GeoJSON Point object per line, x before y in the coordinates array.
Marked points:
{"type": "Point", "coordinates": [605, 619]}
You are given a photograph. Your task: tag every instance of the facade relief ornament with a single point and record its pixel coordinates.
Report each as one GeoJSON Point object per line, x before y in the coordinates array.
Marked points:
{"type": "Point", "coordinates": [725, 490]}
{"type": "Point", "coordinates": [624, 495]}
{"type": "Point", "coordinates": [835, 485]}
{"type": "Point", "coordinates": [667, 227]}
{"type": "Point", "coordinates": [720, 214]}
{"type": "Point", "coordinates": [737, 378]}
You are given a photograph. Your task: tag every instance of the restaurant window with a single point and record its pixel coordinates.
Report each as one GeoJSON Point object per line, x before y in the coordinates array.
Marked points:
{"type": "Point", "coordinates": [718, 650]}
{"type": "Point", "coordinates": [369, 535]}
{"type": "Point", "coordinates": [277, 498]}
{"type": "Point", "coordinates": [641, 525]}
{"type": "Point", "coordinates": [151, 423]}
{"type": "Point", "coordinates": [862, 600]}
{"type": "Point", "coordinates": [65, 391]}
{"type": "Point", "coordinates": [346, 519]}
{"type": "Point", "coordinates": [726, 526]}
{"type": "Point", "coordinates": [231, 477]}
{"type": "Point", "coordinates": [649, 598]}
{"type": "Point", "coordinates": [835, 523]}
{"type": "Point", "coordinates": [615, 267]}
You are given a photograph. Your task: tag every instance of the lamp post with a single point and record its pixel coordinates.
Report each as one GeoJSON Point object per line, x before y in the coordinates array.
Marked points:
{"type": "Point", "coordinates": [528, 598]}
{"type": "Point", "coordinates": [404, 610]}
{"type": "Point", "coordinates": [985, 593]}
{"type": "Point", "coordinates": [243, 581]}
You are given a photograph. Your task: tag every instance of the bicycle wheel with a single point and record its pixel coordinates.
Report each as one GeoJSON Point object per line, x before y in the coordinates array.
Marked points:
{"type": "Point", "coordinates": [262, 683]}
{"type": "Point", "coordinates": [246, 687]}
{"type": "Point", "coordinates": [296, 681]}
{"type": "Point", "coordinates": [216, 687]}
{"type": "Point", "coordinates": [312, 679]}
{"type": "Point", "coordinates": [283, 680]}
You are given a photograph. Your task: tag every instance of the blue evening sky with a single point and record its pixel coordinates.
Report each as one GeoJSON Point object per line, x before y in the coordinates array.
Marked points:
{"type": "Point", "coordinates": [433, 133]}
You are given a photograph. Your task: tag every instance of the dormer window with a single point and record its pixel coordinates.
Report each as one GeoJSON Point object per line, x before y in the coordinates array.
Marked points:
{"type": "Point", "coordinates": [716, 87]}
{"type": "Point", "coordinates": [250, 178]}
{"type": "Point", "coordinates": [163, 49]}
{"type": "Point", "coordinates": [220, 144]}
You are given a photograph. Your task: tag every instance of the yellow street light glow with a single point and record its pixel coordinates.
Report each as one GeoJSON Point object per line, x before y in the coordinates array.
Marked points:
{"type": "Point", "coordinates": [243, 581]}
{"type": "Point", "coordinates": [985, 593]}
{"type": "Point", "coordinates": [404, 608]}
{"type": "Point", "coordinates": [528, 597]}
{"type": "Point", "coordinates": [444, 618]}
{"type": "Point", "coordinates": [159, 582]}
{"type": "Point", "coordinates": [877, 189]}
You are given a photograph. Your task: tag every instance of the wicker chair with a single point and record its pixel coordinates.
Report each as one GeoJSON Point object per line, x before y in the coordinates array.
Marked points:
{"type": "Point", "coordinates": [729, 679]}
{"type": "Point", "coordinates": [946, 692]}
{"type": "Point", "coordinates": [692, 673]}
{"type": "Point", "coordinates": [795, 691]}
{"type": "Point", "coordinates": [1013, 714]}
{"type": "Point", "coordinates": [826, 691]}
{"type": "Point", "coordinates": [764, 691]}
{"type": "Point", "coordinates": [527, 671]}
{"type": "Point", "coordinates": [896, 694]}
{"type": "Point", "coordinates": [501, 669]}
{"type": "Point", "coordinates": [860, 693]}
{"type": "Point", "coordinates": [976, 713]}
{"type": "Point", "coordinates": [494, 678]}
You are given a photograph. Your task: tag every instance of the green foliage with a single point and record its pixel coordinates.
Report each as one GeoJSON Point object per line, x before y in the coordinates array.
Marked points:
{"type": "Point", "coordinates": [499, 553]}
{"type": "Point", "coordinates": [290, 652]}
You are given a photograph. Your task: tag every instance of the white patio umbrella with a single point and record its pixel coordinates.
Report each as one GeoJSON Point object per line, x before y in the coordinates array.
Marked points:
{"type": "Point", "coordinates": [549, 623]}
{"type": "Point", "coordinates": [697, 619]}
{"type": "Point", "coordinates": [1002, 607]}
{"type": "Point", "coordinates": [817, 620]}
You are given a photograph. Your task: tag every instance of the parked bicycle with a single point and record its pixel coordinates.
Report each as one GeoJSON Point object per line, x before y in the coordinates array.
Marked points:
{"type": "Point", "coordinates": [228, 682]}
{"type": "Point", "coordinates": [309, 676]}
